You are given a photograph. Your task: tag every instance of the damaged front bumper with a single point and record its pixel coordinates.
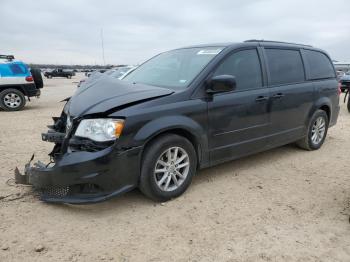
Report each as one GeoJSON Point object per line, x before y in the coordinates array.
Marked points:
{"type": "Point", "coordinates": [80, 177]}
{"type": "Point", "coordinates": [83, 177]}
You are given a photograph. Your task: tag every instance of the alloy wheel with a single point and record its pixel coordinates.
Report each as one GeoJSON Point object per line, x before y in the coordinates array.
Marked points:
{"type": "Point", "coordinates": [318, 130]}
{"type": "Point", "coordinates": [171, 169]}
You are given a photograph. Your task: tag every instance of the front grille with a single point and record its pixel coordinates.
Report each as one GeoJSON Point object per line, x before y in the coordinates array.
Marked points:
{"type": "Point", "coordinates": [55, 192]}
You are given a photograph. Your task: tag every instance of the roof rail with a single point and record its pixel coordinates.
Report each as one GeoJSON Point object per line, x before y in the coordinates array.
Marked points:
{"type": "Point", "coordinates": [277, 42]}
{"type": "Point", "coordinates": [8, 57]}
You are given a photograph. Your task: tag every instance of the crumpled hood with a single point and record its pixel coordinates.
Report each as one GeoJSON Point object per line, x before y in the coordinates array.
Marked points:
{"type": "Point", "coordinates": [109, 93]}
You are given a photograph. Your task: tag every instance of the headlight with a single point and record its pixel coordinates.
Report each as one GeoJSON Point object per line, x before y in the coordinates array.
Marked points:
{"type": "Point", "coordinates": [100, 129]}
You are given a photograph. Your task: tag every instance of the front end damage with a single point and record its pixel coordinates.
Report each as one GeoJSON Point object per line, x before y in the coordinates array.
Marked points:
{"type": "Point", "coordinates": [81, 170]}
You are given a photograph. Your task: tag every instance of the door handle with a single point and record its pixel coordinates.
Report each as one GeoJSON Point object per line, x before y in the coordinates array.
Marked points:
{"type": "Point", "coordinates": [278, 96]}
{"type": "Point", "coordinates": [261, 98]}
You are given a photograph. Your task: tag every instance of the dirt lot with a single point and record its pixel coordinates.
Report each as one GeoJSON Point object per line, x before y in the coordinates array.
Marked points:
{"type": "Point", "coordinates": [282, 205]}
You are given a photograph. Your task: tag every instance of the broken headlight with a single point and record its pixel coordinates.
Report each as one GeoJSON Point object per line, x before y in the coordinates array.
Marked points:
{"type": "Point", "coordinates": [100, 129]}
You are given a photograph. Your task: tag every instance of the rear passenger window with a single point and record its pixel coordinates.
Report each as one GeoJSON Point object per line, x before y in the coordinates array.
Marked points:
{"type": "Point", "coordinates": [245, 66]}
{"type": "Point", "coordinates": [320, 65]}
{"type": "Point", "coordinates": [17, 69]}
{"type": "Point", "coordinates": [285, 66]}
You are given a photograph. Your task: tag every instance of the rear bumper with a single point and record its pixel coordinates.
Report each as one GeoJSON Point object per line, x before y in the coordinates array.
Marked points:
{"type": "Point", "coordinates": [85, 177]}
{"type": "Point", "coordinates": [30, 90]}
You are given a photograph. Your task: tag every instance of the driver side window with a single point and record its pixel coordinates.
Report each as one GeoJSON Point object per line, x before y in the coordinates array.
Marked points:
{"type": "Point", "coordinates": [245, 67]}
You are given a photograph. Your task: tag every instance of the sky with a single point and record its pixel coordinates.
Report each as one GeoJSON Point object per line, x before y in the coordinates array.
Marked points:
{"type": "Point", "coordinates": [69, 32]}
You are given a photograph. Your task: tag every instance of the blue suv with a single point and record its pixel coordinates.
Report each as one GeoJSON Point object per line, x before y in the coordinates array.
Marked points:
{"type": "Point", "coordinates": [17, 81]}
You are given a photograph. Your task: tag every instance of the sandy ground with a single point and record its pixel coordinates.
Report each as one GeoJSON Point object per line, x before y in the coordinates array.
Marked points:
{"type": "Point", "coordinates": [282, 205]}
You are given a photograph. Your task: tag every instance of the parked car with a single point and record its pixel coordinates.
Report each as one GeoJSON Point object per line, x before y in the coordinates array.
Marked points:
{"type": "Point", "coordinates": [340, 74]}
{"type": "Point", "coordinates": [118, 72]}
{"type": "Point", "coordinates": [185, 110]}
{"type": "Point", "coordinates": [17, 82]}
{"type": "Point", "coordinates": [344, 82]}
{"type": "Point", "coordinates": [93, 72]}
{"type": "Point", "coordinates": [59, 73]}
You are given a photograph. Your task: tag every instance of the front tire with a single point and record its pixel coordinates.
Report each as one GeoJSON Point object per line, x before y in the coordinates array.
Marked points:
{"type": "Point", "coordinates": [317, 131]}
{"type": "Point", "coordinates": [12, 100]}
{"type": "Point", "coordinates": [168, 165]}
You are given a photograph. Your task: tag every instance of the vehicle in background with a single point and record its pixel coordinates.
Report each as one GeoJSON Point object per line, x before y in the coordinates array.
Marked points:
{"type": "Point", "coordinates": [181, 111]}
{"type": "Point", "coordinates": [87, 71]}
{"type": "Point", "coordinates": [118, 72]}
{"type": "Point", "coordinates": [92, 72]}
{"type": "Point", "coordinates": [17, 82]}
{"type": "Point", "coordinates": [59, 73]}
{"type": "Point", "coordinates": [340, 73]}
{"type": "Point", "coordinates": [344, 82]}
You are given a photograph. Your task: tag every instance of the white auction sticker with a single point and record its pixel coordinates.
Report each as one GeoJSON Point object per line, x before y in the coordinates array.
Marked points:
{"type": "Point", "coordinates": [209, 52]}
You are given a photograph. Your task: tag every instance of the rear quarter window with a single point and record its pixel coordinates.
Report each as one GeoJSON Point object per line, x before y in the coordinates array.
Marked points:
{"type": "Point", "coordinates": [320, 66]}
{"type": "Point", "coordinates": [18, 69]}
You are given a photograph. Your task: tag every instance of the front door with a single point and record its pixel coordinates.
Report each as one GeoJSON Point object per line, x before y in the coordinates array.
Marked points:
{"type": "Point", "coordinates": [239, 120]}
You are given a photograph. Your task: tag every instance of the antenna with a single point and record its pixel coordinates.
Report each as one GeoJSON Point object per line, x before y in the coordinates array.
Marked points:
{"type": "Point", "coordinates": [103, 48]}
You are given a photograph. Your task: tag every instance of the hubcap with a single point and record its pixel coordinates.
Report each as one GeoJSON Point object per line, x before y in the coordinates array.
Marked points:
{"type": "Point", "coordinates": [12, 100]}
{"type": "Point", "coordinates": [318, 130]}
{"type": "Point", "coordinates": [171, 168]}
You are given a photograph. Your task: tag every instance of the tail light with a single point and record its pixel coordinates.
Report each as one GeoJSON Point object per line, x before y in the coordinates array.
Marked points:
{"type": "Point", "coordinates": [339, 88]}
{"type": "Point", "coordinates": [29, 79]}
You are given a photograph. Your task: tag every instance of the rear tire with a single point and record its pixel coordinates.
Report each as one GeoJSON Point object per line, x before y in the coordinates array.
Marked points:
{"type": "Point", "coordinates": [168, 165]}
{"type": "Point", "coordinates": [316, 132]}
{"type": "Point", "coordinates": [12, 100]}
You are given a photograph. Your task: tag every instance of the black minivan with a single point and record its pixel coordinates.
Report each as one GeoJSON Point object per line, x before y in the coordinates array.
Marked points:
{"type": "Point", "coordinates": [181, 111]}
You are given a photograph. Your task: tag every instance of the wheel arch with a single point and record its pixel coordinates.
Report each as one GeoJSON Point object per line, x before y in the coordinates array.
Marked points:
{"type": "Point", "coordinates": [322, 104]}
{"type": "Point", "coordinates": [17, 87]}
{"type": "Point", "coordinates": [327, 109]}
{"type": "Point", "coordinates": [182, 126]}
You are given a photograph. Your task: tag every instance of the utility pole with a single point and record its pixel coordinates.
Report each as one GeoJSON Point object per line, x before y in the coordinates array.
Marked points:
{"type": "Point", "coordinates": [103, 48]}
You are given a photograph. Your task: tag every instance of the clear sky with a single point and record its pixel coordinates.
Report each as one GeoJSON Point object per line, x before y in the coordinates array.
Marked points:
{"type": "Point", "coordinates": [68, 31]}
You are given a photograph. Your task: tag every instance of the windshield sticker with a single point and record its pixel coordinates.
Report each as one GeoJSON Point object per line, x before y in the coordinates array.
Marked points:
{"type": "Point", "coordinates": [209, 52]}
{"type": "Point", "coordinates": [182, 81]}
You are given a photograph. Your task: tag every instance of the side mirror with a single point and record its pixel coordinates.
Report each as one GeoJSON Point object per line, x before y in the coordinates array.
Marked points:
{"type": "Point", "coordinates": [221, 83]}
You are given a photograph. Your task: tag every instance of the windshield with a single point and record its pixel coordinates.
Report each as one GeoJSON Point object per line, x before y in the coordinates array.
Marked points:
{"type": "Point", "coordinates": [174, 69]}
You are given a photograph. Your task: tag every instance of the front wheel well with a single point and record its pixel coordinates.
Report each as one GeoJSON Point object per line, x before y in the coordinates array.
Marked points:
{"type": "Point", "coordinates": [180, 132]}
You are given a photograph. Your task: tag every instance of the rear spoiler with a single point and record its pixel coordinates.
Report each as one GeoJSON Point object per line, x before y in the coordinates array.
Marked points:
{"type": "Point", "coordinates": [8, 57]}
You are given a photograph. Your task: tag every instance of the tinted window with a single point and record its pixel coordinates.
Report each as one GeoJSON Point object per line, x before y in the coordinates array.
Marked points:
{"type": "Point", "coordinates": [320, 65]}
{"type": "Point", "coordinates": [245, 66]}
{"type": "Point", "coordinates": [285, 66]}
{"type": "Point", "coordinates": [17, 69]}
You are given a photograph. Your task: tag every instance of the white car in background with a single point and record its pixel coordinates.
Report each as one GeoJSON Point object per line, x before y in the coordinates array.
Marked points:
{"type": "Point", "coordinates": [117, 72]}
{"type": "Point", "coordinates": [120, 72]}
